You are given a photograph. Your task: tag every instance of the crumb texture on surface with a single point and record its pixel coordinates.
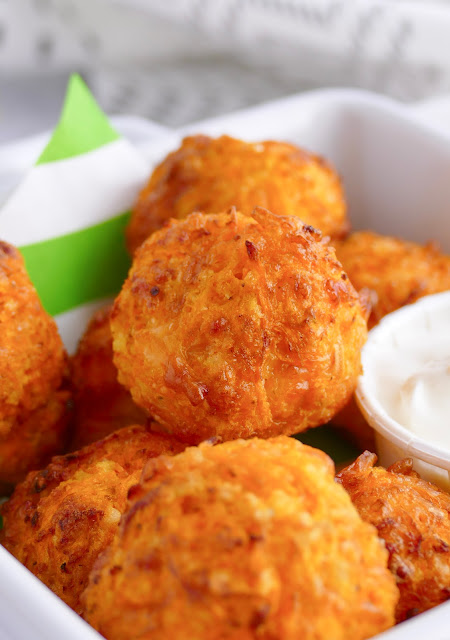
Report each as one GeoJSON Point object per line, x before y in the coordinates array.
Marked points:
{"type": "Point", "coordinates": [244, 540]}
{"type": "Point", "coordinates": [211, 175]}
{"type": "Point", "coordinates": [232, 325]}
{"type": "Point", "coordinates": [59, 519]}
{"type": "Point", "coordinates": [412, 516]}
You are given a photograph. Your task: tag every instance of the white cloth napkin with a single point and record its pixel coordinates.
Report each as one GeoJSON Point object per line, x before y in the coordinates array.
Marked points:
{"type": "Point", "coordinates": [184, 60]}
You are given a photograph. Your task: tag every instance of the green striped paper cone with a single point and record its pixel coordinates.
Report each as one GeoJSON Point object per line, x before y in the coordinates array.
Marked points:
{"type": "Point", "coordinates": [68, 215]}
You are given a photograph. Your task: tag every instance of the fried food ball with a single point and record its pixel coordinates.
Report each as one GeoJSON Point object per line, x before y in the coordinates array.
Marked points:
{"type": "Point", "coordinates": [397, 271]}
{"type": "Point", "coordinates": [58, 520]}
{"type": "Point", "coordinates": [412, 516]}
{"type": "Point", "coordinates": [244, 540]}
{"type": "Point", "coordinates": [207, 174]}
{"type": "Point", "coordinates": [102, 405]}
{"type": "Point", "coordinates": [33, 366]}
{"type": "Point", "coordinates": [234, 326]}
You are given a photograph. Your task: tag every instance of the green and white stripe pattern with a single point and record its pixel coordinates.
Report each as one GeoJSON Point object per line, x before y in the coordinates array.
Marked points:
{"type": "Point", "coordinates": [68, 215]}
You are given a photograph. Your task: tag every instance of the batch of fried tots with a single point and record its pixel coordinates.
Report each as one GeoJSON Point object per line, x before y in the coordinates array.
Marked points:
{"type": "Point", "coordinates": [182, 510]}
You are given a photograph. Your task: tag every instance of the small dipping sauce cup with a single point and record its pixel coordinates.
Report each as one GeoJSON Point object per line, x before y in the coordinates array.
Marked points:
{"type": "Point", "coordinates": [404, 392]}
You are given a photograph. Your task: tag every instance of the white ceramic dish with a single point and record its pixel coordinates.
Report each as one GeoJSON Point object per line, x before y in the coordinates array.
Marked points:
{"type": "Point", "coordinates": [396, 174]}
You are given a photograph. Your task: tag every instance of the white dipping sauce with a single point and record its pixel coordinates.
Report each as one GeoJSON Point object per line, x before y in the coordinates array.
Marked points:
{"type": "Point", "coordinates": [424, 401]}
{"type": "Point", "coordinates": [407, 368]}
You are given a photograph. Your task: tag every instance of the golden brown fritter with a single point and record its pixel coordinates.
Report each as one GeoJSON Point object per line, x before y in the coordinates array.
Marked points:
{"type": "Point", "coordinates": [397, 271]}
{"type": "Point", "coordinates": [234, 326]}
{"type": "Point", "coordinates": [102, 405]}
{"type": "Point", "coordinates": [413, 518]}
{"type": "Point", "coordinates": [244, 540]}
{"type": "Point", "coordinates": [207, 174]}
{"type": "Point", "coordinates": [58, 520]}
{"type": "Point", "coordinates": [33, 406]}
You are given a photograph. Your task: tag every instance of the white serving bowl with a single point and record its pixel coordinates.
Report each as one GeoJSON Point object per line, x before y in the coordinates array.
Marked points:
{"type": "Point", "coordinates": [396, 175]}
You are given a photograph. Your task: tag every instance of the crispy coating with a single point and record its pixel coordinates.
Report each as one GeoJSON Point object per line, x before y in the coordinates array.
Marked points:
{"type": "Point", "coordinates": [102, 405]}
{"type": "Point", "coordinates": [33, 406]}
{"type": "Point", "coordinates": [235, 326]}
{"type": "Point", "coordinates": [412, 516]}
{"type": "Point", "coordinates": [34, 440]}
{"type": "Point", "coordinates": [244, 540]}
{"type": "Point", "coordinates": [207, 174]}
{"type": "Point", "coordinates": [58, 520]}
{"type": "Point", "coordinates": [397, 271]}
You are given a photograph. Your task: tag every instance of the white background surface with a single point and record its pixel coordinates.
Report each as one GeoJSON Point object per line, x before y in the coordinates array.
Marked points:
{"type": "Point", "coordinates": [183, 60]}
